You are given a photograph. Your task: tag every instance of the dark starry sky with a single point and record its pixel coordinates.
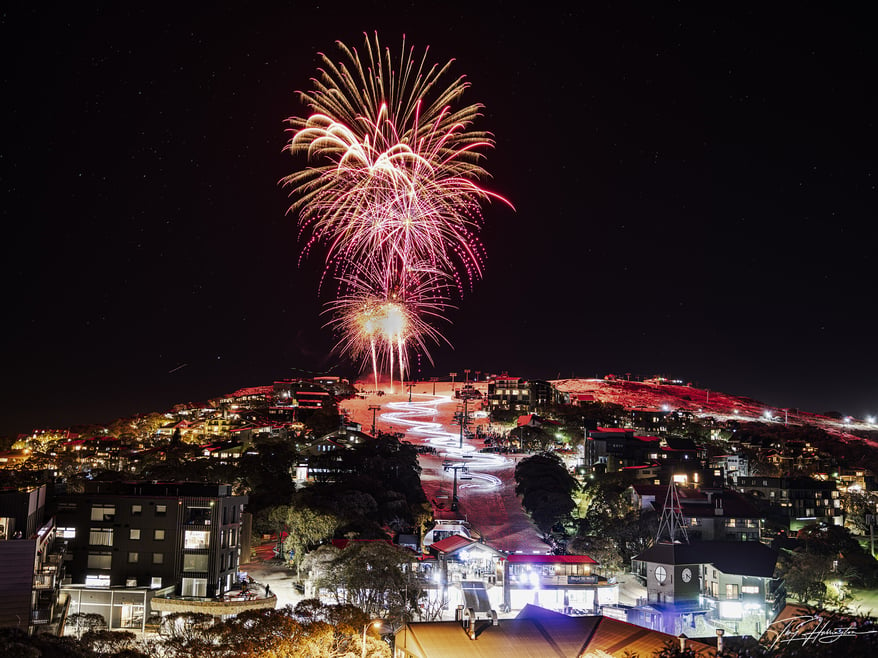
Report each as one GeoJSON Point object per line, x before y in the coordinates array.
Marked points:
{"type": "Point", "coordinates": [695, 196]}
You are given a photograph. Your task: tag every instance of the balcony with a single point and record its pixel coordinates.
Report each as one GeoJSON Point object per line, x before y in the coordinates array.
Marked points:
{"type": "Point", "coordinates": [232, 605]}
{"type": "Point", "coordinates": [44, 580]}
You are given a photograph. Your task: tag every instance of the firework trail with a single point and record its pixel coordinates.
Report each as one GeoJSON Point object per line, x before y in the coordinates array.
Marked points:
{"type": "Point", "coordinates": [391, 193]}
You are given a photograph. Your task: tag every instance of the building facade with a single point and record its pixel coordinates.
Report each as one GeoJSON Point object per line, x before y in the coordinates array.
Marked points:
{"type": "Point", "coordinates": [153, 535]}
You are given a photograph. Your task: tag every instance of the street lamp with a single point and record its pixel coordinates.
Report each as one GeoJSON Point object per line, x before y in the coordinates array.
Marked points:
{"type": "Point", "coordinates": [376, 623]}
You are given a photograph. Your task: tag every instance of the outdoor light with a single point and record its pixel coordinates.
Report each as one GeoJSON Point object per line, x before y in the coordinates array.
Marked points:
{"type": "Point", "coordinates": [376, 623]}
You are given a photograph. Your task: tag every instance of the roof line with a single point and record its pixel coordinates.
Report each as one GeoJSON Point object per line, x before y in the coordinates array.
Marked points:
{"type": "Point", "coordinates": [548, 638]}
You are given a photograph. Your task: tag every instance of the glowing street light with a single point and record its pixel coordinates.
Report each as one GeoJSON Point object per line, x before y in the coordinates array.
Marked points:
{"type": "Point", "coordinates": [376, 623]}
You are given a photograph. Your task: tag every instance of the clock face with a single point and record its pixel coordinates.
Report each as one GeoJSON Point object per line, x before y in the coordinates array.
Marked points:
{"type": "Point", "coordinates": [660, 574]}
{"type": "Point", "coordinates": [687, 575]}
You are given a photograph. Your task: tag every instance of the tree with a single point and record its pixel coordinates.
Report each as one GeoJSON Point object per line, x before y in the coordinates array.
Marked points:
{"type": "Point", "coordinates": [109, 643]}
{"type": "Point", "coordinates": [858, 507]}
{"type": "Point", "coordinates": [86, 621]}
{"type": "Point", "coordinates": [604, 550]}
{"type": "Point", "coordinates": [804, 575]}
{"type": "Point", "coordinates": [546, 489]}
{"type": "Point", "coordinates": [187, 635]}
{"type": "Point", "coordinates": [308, 527]}
{"type": "Point", "coordinates": [373, 576]}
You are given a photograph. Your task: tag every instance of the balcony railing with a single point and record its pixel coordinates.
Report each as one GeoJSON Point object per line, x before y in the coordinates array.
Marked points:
{"type": "Point", "coordinates": [44, 580]}
{"type": "Point", "coordinates": [41, 615]}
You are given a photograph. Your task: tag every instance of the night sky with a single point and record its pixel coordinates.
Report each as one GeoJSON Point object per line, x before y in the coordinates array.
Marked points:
{"type": "Point", "coordinates": [695, 196]}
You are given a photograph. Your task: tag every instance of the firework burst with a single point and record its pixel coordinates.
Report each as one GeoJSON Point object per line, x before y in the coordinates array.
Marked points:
{"type": "Point", "coordinates": [391, 193]}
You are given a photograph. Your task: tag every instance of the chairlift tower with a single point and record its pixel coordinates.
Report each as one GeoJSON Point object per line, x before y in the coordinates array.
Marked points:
{"type": "Point", "coordinates": [373, 408]}
{"type": "Point", "coordinates": [448, 466]}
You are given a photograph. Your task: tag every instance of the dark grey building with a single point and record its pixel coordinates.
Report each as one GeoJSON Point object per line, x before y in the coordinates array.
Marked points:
{"type": "Point", "coordinates": [153, 534]}
{"type": "Point", "coordinates": [30, 562]}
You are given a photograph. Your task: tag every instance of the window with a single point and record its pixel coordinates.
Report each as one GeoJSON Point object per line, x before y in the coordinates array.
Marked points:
{"type": "Point", "coordinates": [103, 512]}
{"type": "Point", "coordinates": [731, 591]}
{"type": "Point", "coordinates": [133, 556]}
{"type": "Point", "coordinates": [197, 515]}
{"type": "Point", "coordinates": [158, 558]}
{"type": "Point", "coordinates": [136, 509]}
{"type": "Point", "coordinates": [97, 580]}
{"type": "Point", "coordinates": [100, 537]}
{"type": "Point", "coordinates": [66, 533]}
{"type": "Point", "coordinates": [196, 539]}
{"type": "Point", "coordinates": [134, 533]}
{"type": "Point", "coordinates": [194, 587]}
{"type": "Point", "coordinates": [100, 560]}
{"type": "Point", "coordinates": [749, 589]}
{"type": "Point", "coordinates": [158, 535]}
{"type": "Point", "coordinates": [155, 582]}
{"type": "Point", "coordinates": [195, 562]}
{"type": "Point", "coordinates": [161, 509]}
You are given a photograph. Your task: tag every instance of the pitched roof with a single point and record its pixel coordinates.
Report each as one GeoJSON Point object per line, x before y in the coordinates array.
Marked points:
{"type": "Point", "coordinates": [452, 543]}
{"type": "Point", "coordinates": [518, 558]}
{"type": "Point", "coordinates": [538, 632]}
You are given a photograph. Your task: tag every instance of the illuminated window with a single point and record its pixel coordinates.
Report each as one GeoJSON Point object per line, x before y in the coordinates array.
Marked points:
{"type": "Point", "coordinates": [731, 591]}
{"type": "Point", "coordinates": [100, 537]}
{"type": "Point", "coordinates": [158, 535]}
{"type": "Point", "coordinates": [97, 580]}
{"type": "Point", "coordinates": [196, 539]}
{"type": "Point", "coordinates": [134, 533]}
{"type": "Point", "coordinates": [158, 558]}
{"type": "Point", "coordinates": [161, 509]}
{"type": "Point", "coordinates": [136, 509]}
{"type": "Point", "coordinates": [749, 589]}
{"type": "Point", "coordinates": [133, 556]}
{"type": "Point", "coordinates": [103, 512]}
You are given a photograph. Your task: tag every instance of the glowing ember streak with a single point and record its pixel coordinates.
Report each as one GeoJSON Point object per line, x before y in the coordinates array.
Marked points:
{"type": "Point", "coordinates": [391, 193]}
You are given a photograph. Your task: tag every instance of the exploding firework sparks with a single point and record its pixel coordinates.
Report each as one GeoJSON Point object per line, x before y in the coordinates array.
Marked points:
{"type": "Point", "coordinates": [377, 320]}
{"type": "Point", "coordinates": [392, 194]}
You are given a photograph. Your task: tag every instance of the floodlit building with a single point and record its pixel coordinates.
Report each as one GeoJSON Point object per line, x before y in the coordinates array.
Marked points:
{"type": "Point", "coordinates": [695, 588]}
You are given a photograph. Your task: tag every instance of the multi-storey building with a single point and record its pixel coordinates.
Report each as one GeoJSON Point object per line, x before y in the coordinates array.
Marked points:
{"type": "Point", "coordinates": [153, 534]}
{"type": "Point", "coordinates": [734, 465]}
{"type": "Point", "coordinates": [696, 588]}
{"type": "Point", "coordinates": [803, 499]}
{"type": "Point", "coordinates": [518, 394]}
{"type": "Point", "coordinates": [708, 514]}
{"type": "Point", "coordinates": [30, 561]}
